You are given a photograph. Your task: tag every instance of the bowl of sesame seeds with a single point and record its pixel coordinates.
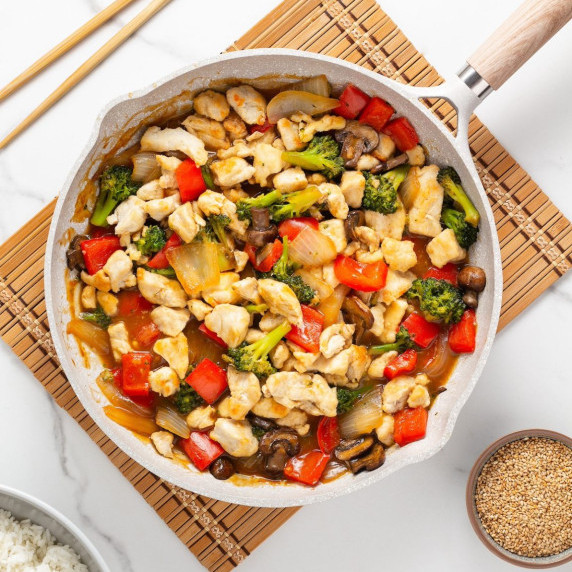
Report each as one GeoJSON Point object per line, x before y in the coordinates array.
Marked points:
{"type": "Point", "coordinates": [519, 498]}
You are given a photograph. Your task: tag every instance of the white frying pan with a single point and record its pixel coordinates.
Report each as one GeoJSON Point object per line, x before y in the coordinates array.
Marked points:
{"type": "Point", "coordinates": [122, 124]}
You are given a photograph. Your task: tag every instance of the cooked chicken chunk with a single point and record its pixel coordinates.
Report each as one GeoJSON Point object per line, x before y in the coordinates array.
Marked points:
{"type": "Point", "coordinates": [396, 392]}
{"type": "Point", "coordinates": [290, 135]}
{"type": "Point", "coordinates": [297, 420]}
{"type": "Point", "coordinates": [301, 360]}
{"type": "Point", "coordinates": [335, 200]}
{"type": "Point", "coordinates": [385, 431]}
{"type": "Point", "coordinates": [416, 156]}
{"type": "Point", "coordinates": [244, 392]}
{"type": "Point", "coordinates": [378, 312]}
{"type": "Point", "coordinates": [235, 127]}
{"type": "Point", "coordinates": [281, 299]}
{"type": "Point", "coordinates": [377, 367]}
{"type": "Point", "coordinates": [248, 103]}
{"type": "Point", "coordinates": [329, 275]}
{"type": "Point", "coordinates": [129, 216]}
{"type": "Point", "coordinates": [170, 321]}
{"type": "Point", "coordinates": [169, 165]}
{"type": "Point", "coordinates": [88, 299]}
{"type": "Point", "coordinates": [230, 323]}
{"type": "Point", "coordinates": [270, 321]}
{"type": "Point", "coordinates": [212, 104]}
{"type": "Point", "coordinates": [161, 140]}
{"type": "Point", "coordinates": [359, 362]}
{"type": "Point", "coordinates": [100, 280]}
{"type": "Point", "coordinates": [399, 254]}
{"type": "Point", "coordinates": [213, 203]}
{"type": "Point", "coordinates": [419, 397]}
{"type": "Point", "coordinates": [385, 148]}
{"type": "Point", "coordinates": [352, 186]}
{"type": "Point", "coordinates": [160, 289]}
{"type": "Point", "coordinates": [164, 381]}
{"type": "Point", "coordinates": [163, 441]}
{"type": "Point", "coordinates": [247, 288]}
{"type": "Point", "coordinates": [308, 129]}
{"type": "Point", "coordinates": [335, 231]}
{"type": "Point", "coordinates": [336, 338]}
{"type": "Point", "coordinates": [211, 132]}
{"type": "Point", "coordinates": [108, 302]}
{"type": "Point", "coordinates": [367, 162]}
{"type": "Point", "coordinates": [279, 354]}
{"type": "Point", "coordinates": [119, 340]}
{"type": "Point", "coordinates": [267, 162]}
{"type": "Point", "coordinates": [175, 351]}
{"type": "Point", "coordinates": [232, 171]}
{"type": "Point", "coordinates": [201, 417]}
{"type": "Point", "coordinates": [199, 309]}
{"type": "Point", "coordinates": [270, 409]}
{"type": "Point", "coordinates": [235, 437]}
{"type": "Point", "coordinates": [119, 268]}
{"type": "Point", "coordinates": [368, 237]}
{"type": "Point", "coordinates": [223, 292]}
{"type": "Point", "coordinates": [185, 222]}
{"type": "Point", "coordinates": [444, 248]}
{"type": "Point", "coordinates": [396, 285]}
{"type": "Point", "coordinates": [393, 316]}
{"type": "Point", "coordinates": [290, 180]}
{"type": "Point", "coordinates": [151, 191]}
{"type": "Point", "coordinates": [390, 225]}
{"type": "Point", "coordinates": [158, 209]}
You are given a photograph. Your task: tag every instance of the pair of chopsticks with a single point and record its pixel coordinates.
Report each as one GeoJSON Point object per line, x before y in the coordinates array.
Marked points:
{"type": "Point", "coordinates": [88, 66]}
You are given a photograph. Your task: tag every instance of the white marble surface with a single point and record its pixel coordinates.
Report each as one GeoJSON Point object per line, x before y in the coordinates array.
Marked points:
{"type": "Point", "coordinates": [413, 520]}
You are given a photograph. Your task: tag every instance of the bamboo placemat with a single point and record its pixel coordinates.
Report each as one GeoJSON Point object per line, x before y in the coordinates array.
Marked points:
{"type": "Point", "coordinates": [535, 238]}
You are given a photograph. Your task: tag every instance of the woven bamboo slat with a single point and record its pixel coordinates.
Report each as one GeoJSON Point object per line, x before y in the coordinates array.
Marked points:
{"type": "Point", "coordinates": [535, 238]}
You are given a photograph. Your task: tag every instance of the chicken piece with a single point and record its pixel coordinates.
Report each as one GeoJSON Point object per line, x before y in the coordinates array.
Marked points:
{"type": "Point", "coordinates": [240, 260]}
{"type": "Point", "coordinates": [378, 312]}
{"type": "Point", "coordinates": [422, 379]}
{"type": "Point", "coordinates": [213, 203]}
{"type": "Point", "coordinates": [336, 338]}
{"type": "Point", "coordinates": [329, 275]}
{"type": "Point", "coordinates": [163, 441]}
{"type": "Point", "coordinates": [396, 392]}
{"type": "Point", "coordinates": [199, 309]}
{"type": "Point", "coordinates": [393, 317]}
{"type": "Point", "coordinates": [164, 381]}
{"type": "Point", "coordinates": [297, 420]}
{"type": "Point", "coordinates": [385, 431]}
{"type": "Point", "coordinates": [307, 130]}
{"type": "Point", "coordinates": [422, 195]}
{"type": "Point", "coordinates": [88, 299]}
{"type": "Point", "coordinates": [235, 127]}
{"type": "Point", "coordinates": [416, 156]}
{"type": "Point", "coordinates": [281, 299]}
{"type": "Point", "coordinates": [202, 417]}
{"type": "Point", "coordinates": [377, 366]}
{"type": "Point", "coordinates": [223, 292]}
{"type": "Point", "coordinates": [100, 280]}
{"type": "Point", "coordinates": [235, 437]}
{"type": "Point", "coordinates": [175, 351]}
{"type": "Point", "coordinates": [279, 354]}
{"type": "Point", "coordinates": [270, 409]}
{"type": "Point", "coordinates": [367, 236]}
{"type": "Point", "coordinates": [312, 394]}
{"type": "Point", "coordinates": [385, 148]}
{"type": "Point", "coordinates": [390, 225]}
{"type": "Point", "coordinates": [352, 186]}
{"type": "Point", "coordinates": [247, 288]}
{"type": "Point", "coordinates": [170, 321]}
{"type": "Point", "coordinates": [229, 322]}
{"type": "Point", "coordinates": [232, 171]}
{"type": "Point", "coordinates": [267, 162]}
{"type": "Point", "coordinates": [335, 200]}
{"type": "Point", "coordinates": [129, 216]}
{"type": "Point", "coordinates": [160, 209]}
{"type": "Point", "coordinates": [248, 103]}
{"type": "Point", "coordinates": [336, 368]}
{"type": "Point", "coordinates": [108, 302]}
{"type": "Point", "coordinates": [270, 321]}
{"type": "Point", "coordinates": [290, 180]}
{"type": "Point", "coordinates": [399, 254]}
{"type": "Point", "coordinates": [151, 191]}
{"type": "Point", "coordinates": [334, 229]}
{"type": "Point", "coordinates": [396, 285]}
{"type": "Point", "coordinates": [119, 340]}
{"type": "Point", "coordinates": [169, 165]}
{"type": "Point", "coordinates": [119, 268]}
{"type": "Point", "coordinates": [367, 162]}
{"type": "Point", "coordinates": [184, 221]}
{"type": "Point", "coordinates": [235, 195]}
{"type": "Point", "coordinates": [301, 360]}
{"type": "Point", "coordinates": [290, 135]}
{"type": "Point", "coordinates": [212, 104]}
{"type": "Point", "coordinates": [160, 289]}
{"type": "Point", "coordinates": [160, 140]}
{"type": "Point", "coordinates": [368, 257]}
{"type": "Point", "coordinates": [244, 393]}
{"type": "Point", "coordinates": [211, 132]}
{"type": "Point", "coordinates": [359, 362]}
{"type": "Point", "coordinates": [444, 248]}
{"type": "Point", "coordinates": [133, 252]}
{"type": "Point", "coordinates": [419, 397]}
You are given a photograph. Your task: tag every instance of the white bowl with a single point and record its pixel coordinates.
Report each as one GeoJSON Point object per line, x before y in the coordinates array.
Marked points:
{"type": "Point", "coordinates": [122, 123]}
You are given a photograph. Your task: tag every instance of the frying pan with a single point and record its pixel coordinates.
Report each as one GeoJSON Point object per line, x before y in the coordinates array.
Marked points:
{"type": "Point", "coordinates": [124, 120]}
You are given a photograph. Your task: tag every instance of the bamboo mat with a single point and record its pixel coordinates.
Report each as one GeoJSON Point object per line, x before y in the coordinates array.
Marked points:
{"type": "Point", "coordinates": [535, 238]}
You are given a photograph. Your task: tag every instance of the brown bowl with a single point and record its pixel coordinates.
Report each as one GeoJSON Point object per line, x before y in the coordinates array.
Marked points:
{"type": "Point", "coordinates": [486, 539]}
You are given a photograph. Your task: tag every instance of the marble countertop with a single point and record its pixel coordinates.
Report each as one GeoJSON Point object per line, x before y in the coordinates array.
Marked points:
{"type": "Point", "coordinates": [418, 514]}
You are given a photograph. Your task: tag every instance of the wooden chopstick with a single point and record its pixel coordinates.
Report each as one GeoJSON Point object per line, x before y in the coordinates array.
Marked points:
{"type": "Point", "coordinates": [88, 66]}
{"type": "Point", "coordinates": [64, 46]}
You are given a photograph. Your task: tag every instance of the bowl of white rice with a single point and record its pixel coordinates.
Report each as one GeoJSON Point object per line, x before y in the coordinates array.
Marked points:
{"type": "Point", "coordinates": [36, 538]}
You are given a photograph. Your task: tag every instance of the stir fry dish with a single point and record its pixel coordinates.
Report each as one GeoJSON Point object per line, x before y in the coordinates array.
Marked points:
{"type": "Point", "coordinates": [278, 284]}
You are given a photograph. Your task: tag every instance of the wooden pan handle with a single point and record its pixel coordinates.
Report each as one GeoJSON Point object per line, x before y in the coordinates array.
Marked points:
{"type": "Point", "coordinates": [518, 38]}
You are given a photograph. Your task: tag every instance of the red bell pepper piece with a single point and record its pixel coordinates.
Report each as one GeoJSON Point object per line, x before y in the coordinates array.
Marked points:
{"type": "Point", "coordinates": [99, 231]}
{"type": "Point", "coordinates": [143, 400]}
{"type": "Point", "coordinates": [96, 251]}
{"type": "Point", "coordinates": [117, 374]}
{"type": "Point", "coordinates": [360, 276]}
{"type": "Point", "coordinates": [307, 468]}
{"type": "Point", "coordinates": [131, 302]}
{"type": "Point", "coordinates": [448, 273]}
{"type": "Point", "coordinates": [409, 425]}
{"type": "Point", "coordinates": [211, 335]}
{"type": "Point", "coordinates": [136, 368]}
{"type": "Point", "coordinates": [208, 380]}
{"type": "Point", "coordinates": [201, 449]}
{"type": "Point", "coordinates": [307, 336]}
{"type": "Point", "coordinates": [422, 332]}
{"type": "Point", "coordinates": [266, 264]}
{"type": "Point", "coordinates": [292, 227]}
{"type": "Point", "coordinates": [147, 334]}
{"type": "Point", "coordinates": [328, 434]}
{"type": "Point", "coordinates": [190, 180]}
{"type": "Point", "coordinates": [376, 113]}
{"type": "Point", "coordinates": [463, 335]}
{"type": "Point", "coordinates": [352, 101]}
{"type": "Point", "coordinates": [160, 259]}
{"type": "Point", "coordinates": [403, 363]}
{"type": "Point", "coordinates": [260, 128]}
{"type": "Point", "coordinates": [403, 134]}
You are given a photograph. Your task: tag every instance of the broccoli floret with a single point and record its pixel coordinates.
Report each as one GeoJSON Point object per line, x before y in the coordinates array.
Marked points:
{"type": "Point", "coordinates": [218, 224]}
{"type": "Point", "coordinates": [152, 241]}
{"type": "Point", "coordinates": [254, 357]}
{"type": "Point", "coordinates": [348, 397]}
{"type": "Point", "coordinates": [256, 308]}
{"type": "Point", "coordinates": [187, 399]}
{"type": "Point", "coordinates": [451, 182]}
{"type": "Point", "coordinates": [169, 272]}
{"type": "Point", "coordinates": [402, 342]}
{"type": "Point", "coordinates": [294, 204]}
{"type": "Point", "coordinates": [322, 154]}
{"type": "Point", "coordinates": [97, 317]}
{"type": "Point", "coordinates": [438, 299]}
{"type": "Point", "coordinates": [465, 233]}
{"type": "Point", "coordinates": [243, 206]}
{"type": "Point", "coordinates": [380, 194]}
{"type": "Point", "coordinates": [115, 185]}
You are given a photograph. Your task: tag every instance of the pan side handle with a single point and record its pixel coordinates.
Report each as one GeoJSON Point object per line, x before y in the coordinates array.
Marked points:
{"type": "Point", "coordinates": [518, 38]}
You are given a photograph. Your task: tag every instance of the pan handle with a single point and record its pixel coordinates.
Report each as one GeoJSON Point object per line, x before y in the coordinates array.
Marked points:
{"type": "Point", "coordinates": [518, 38]}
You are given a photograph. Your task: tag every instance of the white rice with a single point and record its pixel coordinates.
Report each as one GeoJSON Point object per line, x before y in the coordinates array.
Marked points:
{"type": "Point", "coordinates": [27, 547]}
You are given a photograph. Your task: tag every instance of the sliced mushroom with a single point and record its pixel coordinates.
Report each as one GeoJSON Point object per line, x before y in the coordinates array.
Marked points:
{"type": "Point", "coordinates": [369, 462]}
{"type": "Point", "coordinates": [357, 138]}
{"type": "Point", "coordinates": [261, 232]}
{"type": "Point", "coordinates": [278, 446]}
{"type": "Point", "coordinates": [358, 313]}
{"type": "Point", "coordinates": [470, 297]}
{"type": "Point", "coordinates": [265, 424]}
{"type": "Point", "coordinates": [472, 278]}
{"type": "Point", "coordinates": [74, 255]}
{"type": "Point", "coordinates": [222, 469]}
{"type": "Point", "coordinates": [353, 220]}
{"type": "Point", "coordinates": [352, 150]}
{"type": "Point", "coordinates": [352, 448]}
{"type": "Point", "coordinates": [391, 163]}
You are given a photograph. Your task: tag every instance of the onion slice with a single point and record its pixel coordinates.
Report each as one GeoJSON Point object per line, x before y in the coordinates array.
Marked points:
{"type": "Point", "coordinates": [167, 418]}
{"type": "Point", "coordinates": [117, 399]}
{"type": "Point", "coordinates": [196, 265]}
{"type": "Point", "coordinates": [288, 102]}
{"type": "Point", "coordinates": [131, 421]}
{"type": "Point", "coordinates": [364, 417]}
{"type": "Point", "coordinates": [318, 85]}
{"type": "Point", "coordinates": [332, 306]}
{"type": "Point", "coordinates": [145, 167]}
{"type": "Point", "coordinates": [312, 248]}
{"type": "Point", "coordinates": [92, 335]}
